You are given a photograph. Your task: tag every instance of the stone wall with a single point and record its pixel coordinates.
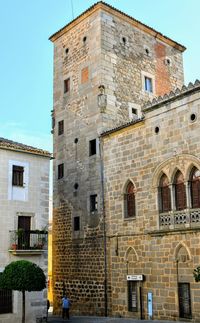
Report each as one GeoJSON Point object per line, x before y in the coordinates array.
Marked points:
{"type": "Point", "coordinates": [141, 245]}
{"type": "Point", "coordinates": [91, 53]}
{"type": "Point", "coordinates": [77, 266]}
{"type": "Point", "coordinates": [128, 54]}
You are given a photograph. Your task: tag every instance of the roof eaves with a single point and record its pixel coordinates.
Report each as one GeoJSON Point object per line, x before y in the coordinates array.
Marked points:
{"type": "Point", "coordinates": [138, 23]}
{"type": "Point", "coordinates": [7, 144]}
{"type": "Point", "coordinates": [172, 96]}
{"type": "Point", "coordinates": [121, 126]}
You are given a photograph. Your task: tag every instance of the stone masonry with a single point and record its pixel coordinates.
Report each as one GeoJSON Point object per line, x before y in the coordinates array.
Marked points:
{"type": "Point", "coordinates": [165, 255]}
{"type": "Point", "coordinates": [101, 62]}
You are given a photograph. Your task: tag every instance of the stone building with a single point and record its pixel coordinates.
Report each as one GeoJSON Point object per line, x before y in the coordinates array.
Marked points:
{"type": "Point", "coordinates": [107, 65]}
{"type": "Point", "coordinates": [152, 198]}
{"type": "Point", "coordinates": [24, 189]}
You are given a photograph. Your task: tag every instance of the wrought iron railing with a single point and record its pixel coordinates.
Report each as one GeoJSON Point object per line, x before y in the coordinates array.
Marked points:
{"type": "Point", "coordinates": [188, 218]}
{"type": "Point", "coordinates": [28, 240]}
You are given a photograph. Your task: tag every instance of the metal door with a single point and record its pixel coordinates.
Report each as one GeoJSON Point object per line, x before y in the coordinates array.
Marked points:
{"type": "Point", "coordinates": [184, 300]}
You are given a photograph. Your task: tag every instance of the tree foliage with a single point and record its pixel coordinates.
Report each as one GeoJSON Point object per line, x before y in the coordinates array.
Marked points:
{"type": "Point", "coordinates": [23, 275]}
{"type": "Point", "coordinates": [196, 274]}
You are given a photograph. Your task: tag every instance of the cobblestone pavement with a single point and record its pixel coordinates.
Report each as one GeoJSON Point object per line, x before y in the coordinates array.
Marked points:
{"type": "Point", "coordinates": [89, 319]}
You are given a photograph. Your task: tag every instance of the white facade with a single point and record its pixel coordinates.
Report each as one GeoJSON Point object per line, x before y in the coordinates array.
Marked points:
{"type": "Point", "coordinates": [27, 200]}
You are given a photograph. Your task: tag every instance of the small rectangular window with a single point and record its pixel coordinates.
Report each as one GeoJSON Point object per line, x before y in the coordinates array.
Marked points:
{"type": "Point", "coordinates": [93, 203]}
{"type": "Point", "coordinates": [17, 176]}
{"type": "Point", "coordinates": [67, 85]}
{"type": "Point", "coordinates": [132, 296]}
{"type": "Point", "coordinates": [60, 171]}
{"type": "Point", "coordinates": [92, 147]}
{"type": "Point", "coordinates": [5, 301]}
{"type": "Point", "coordinates": [60, 127]}
{"type": "Point", "coordinates": [148, 85]}
{"type": "Point", "coordinates": [76, 223]}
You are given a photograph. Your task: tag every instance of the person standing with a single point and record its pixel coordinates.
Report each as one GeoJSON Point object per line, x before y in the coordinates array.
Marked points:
{"type": "Point", "coordinates": [65, 307]}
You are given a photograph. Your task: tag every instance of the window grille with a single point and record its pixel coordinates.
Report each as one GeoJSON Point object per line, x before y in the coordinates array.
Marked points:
{"type": "Point", "coordinates": [5, 301]}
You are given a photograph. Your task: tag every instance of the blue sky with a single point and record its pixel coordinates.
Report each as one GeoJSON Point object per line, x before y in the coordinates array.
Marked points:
{"type": "Point", "coordinates": [26, 56]}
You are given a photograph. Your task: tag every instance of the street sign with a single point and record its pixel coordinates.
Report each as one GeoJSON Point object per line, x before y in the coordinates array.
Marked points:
{"type": "Point", "coordinates": [135, 277]}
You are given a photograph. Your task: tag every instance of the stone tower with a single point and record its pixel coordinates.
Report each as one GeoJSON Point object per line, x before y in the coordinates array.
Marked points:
{"type": "Point", "coordinates": [106, 65]}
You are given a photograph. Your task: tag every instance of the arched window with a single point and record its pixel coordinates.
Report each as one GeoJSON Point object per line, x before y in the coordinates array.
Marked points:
{"type": "Point", "coordinates": [195, 188]}
{"type": "Point", "coordinates": [180, 192]}
{"type": "Point", "coordinates": [165, 198]}
{"type": "Point", "coordinates": [129, 201]}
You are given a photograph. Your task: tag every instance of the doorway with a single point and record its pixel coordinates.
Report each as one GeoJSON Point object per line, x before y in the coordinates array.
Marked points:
{"type": "Point", "coordinates": [184, 300]}
{"type": "Point", "coordinates": [24, 225]}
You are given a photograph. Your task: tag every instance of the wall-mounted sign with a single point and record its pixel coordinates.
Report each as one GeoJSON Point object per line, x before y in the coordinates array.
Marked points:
{"type": "Point", "coordinates": [135, 277]}
{"type": "Point", "coordinates": [150, 305]}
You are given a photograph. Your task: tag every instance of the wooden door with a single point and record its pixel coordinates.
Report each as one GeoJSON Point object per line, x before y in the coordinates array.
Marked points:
{"type": "Point", "coordinates": [184, 300]}
{"type": "Point", "coordinates": [24, 225]}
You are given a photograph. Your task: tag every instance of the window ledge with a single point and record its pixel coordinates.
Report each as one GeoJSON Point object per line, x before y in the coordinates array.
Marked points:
{"type": "Point", "coordinates": [30, 253]}
{"type": "Point", "coordinates": [131, 218]}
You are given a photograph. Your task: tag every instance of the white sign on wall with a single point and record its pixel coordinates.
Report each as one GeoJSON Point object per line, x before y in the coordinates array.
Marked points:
{"type": "Point", "coordinates": [135, 277]}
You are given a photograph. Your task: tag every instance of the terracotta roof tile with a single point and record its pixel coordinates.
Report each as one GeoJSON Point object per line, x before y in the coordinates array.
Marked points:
{"type": "Point", "coordinates": [13, 145]}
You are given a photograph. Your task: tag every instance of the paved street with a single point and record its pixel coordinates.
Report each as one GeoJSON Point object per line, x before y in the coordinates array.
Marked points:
{"type": "Point", "coordinates": [89, 319]}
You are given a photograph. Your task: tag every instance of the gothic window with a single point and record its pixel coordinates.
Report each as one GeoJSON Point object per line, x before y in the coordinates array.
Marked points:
{"type": "Point", "coordinates": [129, 201]}
{"type": "Point", "coordinates": [195, 188]}
{"type": "Point", "coordinates": [165, 198]}
{"type": "Point", "coordinates": [180, 192]}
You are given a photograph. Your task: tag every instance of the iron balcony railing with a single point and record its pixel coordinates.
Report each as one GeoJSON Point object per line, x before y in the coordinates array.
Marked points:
{"type": "Point", "coordinates": [28, 240]}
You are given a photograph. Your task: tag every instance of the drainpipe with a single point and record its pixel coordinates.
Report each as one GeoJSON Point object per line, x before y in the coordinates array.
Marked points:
{"type": "Point", "coordinates": [104, 229]}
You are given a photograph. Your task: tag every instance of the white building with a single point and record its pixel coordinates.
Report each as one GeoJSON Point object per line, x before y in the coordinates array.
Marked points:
{"type": "Point", "coordinates": [24, 209]}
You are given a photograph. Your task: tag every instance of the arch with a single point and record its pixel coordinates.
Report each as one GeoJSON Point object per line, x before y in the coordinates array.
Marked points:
{"type": "Point", "coordinates": [174, 174]}
{"type": "Point", "coordinates": [131, 252]}
{"type": "Point", "coordinates": [180, 191]}
{"type": "Point", "coordinates": [194, 185]}
{"type": "Point", "coordinates": [129, 180]}
{"type": "Point", "coordinates": [175, 161]}
{"type": "Point", "coordinates": [182, 252]}
{"type": "Point", "coordinates": [164, 194]}
{"type": "Point", "coordinates": [129, 200]}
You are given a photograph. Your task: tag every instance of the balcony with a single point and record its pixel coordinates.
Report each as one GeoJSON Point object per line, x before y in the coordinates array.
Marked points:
{"type": "Point", "coordinates": [179, 220]}
{"type": "Point", "coordinates": [30, 243]}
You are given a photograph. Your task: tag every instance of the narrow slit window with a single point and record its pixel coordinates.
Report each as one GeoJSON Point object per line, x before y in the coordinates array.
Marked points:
{"type": "Point", "coordinates": [76, 223]}
{"type": "Point", "coordinates": [93, 203]}
{"type": "Point", "coordinates": [60, 171]}
{"type": "Point", "coordinates": [60, 127]}
{"type": "Point", "coordinates": [92, 147]}
{"type": "Point", "coordinates": [67, 85]}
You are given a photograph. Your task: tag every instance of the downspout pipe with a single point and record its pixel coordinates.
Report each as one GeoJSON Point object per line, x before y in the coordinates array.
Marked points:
{"type": "Point", "coordinates": [104, 228]}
